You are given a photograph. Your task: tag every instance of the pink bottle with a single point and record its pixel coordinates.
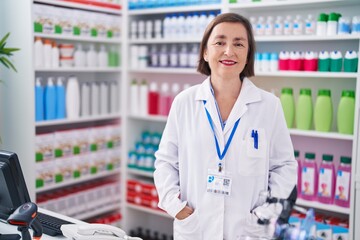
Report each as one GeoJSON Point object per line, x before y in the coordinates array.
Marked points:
{"type": "Point", "coordinates": [326, 180]}
{"type": "Point", "coordinates": [310, 61]}
{"type": "Point", "coordinates": [284, 60]}
{"type": "Point", "coordinates": [295, 61]}
{"type": "Point", "coordinates": [164, 99]}
{"type": "Point", "coordinates": [343, 182]}
{"type": "Point", "coordinates": [153, 99]}
{"type": "Point", "coordinates": [297, 158]}
{"type": "Point", "coordinates": [309, 177]}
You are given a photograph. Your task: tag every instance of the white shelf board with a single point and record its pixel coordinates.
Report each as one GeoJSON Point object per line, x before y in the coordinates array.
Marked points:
{"type": "Point", "coordinates": [173, 9]}
{"type": "Point", "coordinates": [78, 180]}
{"type": "Point", "coordinates": [140, 172]}
{"type": "Point", "coordinates": [164, 41]}
{"type": "Point", "coordinates": [285, 4]}
{"type": "Point", "coordinates": [79, 69]}
{"type": "Point", "coordinates": [80, 6]}
{"type": "Point", "coordinates": [322, 206]}
{"type": "Point", "coordinates": [79, 120]}
{"type": "Point", "coordinates": [148, 210]}
{"type": "Point", "coordinates": [153, 118]}
{"type": "Point", "coordinates": [97, 211]}
{"type": "Point", "coordinates": [313, 74]}
{"type": "Point", "coordinates": [316, 134]}
{"type": "Point", "coordinates": [302, 38]}
{"type": "Point", "coordinates": [165, 70]}
{"type": "Point", "coordinates": [77, 38]}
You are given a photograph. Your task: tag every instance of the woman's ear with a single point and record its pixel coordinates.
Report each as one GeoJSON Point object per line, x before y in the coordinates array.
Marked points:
{"type": "Point", "coordinates": [205, 56]}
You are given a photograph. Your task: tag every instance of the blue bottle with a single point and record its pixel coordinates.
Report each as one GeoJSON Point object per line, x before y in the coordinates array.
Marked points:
{"type": "Point", "coordinates": [39, 100]}
{"type": "Point", "coordinates": [50, 100]}
{"type": "Point", "coordinates": [60, 99]}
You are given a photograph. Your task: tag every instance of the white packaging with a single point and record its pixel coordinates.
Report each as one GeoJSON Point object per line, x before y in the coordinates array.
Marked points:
{"type": "Point", "coordinates": [253, 23]}
{"type": "Point", "coordinates": [48, 19]}
{"type": "Point", "coordinates": [149, 29]}
{"type": "Point", "coordinates": [64, 143]}
{"type": "Point", "coordinates": [114, 97]}
{"type": "Point", "coordinates": [288, 25]}
{"type": "Point", "coordinates": [143, 98]}
{"type": "Point", "coordinates": [45, 173]}
{"type": "Point", "coordinates": [269, 26]}
{"type": "Point", "coordinates": [104, 98]}
{"type": "Point", "coordinates": [134, 98]}
{"type": "Point", "coordinates": [44, 146]}
{"type": "Point", "coordinates": [163, 56]}
{"type": "Point", "coordinates": [91, 57]}
{"type": "Point", "coordinates": [72, 98]}
{"type": "Point", "coordinates": [157, 29]}
{"type": "Point", "coordinates": [183, 56]}
{"type": "Point", "coordinates": [102, 57]}
{"type": "Point", "coordinates": [331, 28]}
{"type": "Point", "coordinates": [143, 57]}
{"type": "Point", "coordinates": [38, 52]}
{"type": "Point", "coordinates": [279, 26]}
{"type": "Point", "coordinates": [67, 21]}
{"type": "Point", "coordinates": [79, 56]}
{"type": "Point", "coordinates": [47, 53]}
{"type": "Point", "coordinates": [310, 25]}
{"type": "Point", "coordinates": [95, 99]}
{"type": "Point", "coordinates": [55, 56]}
{"type": "Point", "coordinates": [85, 100]}
{"type": "Point", "coordinates": [133, 30]}
{"type": "Point", "coordinates": [174, 58]}
{"type": "Point", "coordinates": [194, 55]}
{"type": "Point", "coordinates": [134, 59]}
{"type": "Point", "coordinates": [141, 30]}
{"type": "Point", "coordinates": [64, 170]}
{"type": "Point", "coordinates": [298, 26]}
{"type": "Point", "coordinates": [180, 31]}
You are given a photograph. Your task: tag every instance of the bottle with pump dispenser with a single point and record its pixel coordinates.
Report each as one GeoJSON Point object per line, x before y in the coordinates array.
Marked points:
{"type": "Point", "coordinates": [343, 183]}
{"type": "Point", "coordinates": [279, 26]}
{"type": "Point", "coordinates": [309, 177]}
{"type": "Point", "coordinates": [39, 100]}
{"type": "Point", "coordinates": [60, 98]}
{"type": "Point", "coordinates": [288, 25]}
{"type": "Point", "coordinates": [72, 98]}
{"type": "Point", "coordinates": [298, 26]}
{"type": "Point", "coordinates": [50, 100]}
{"type": "Point", "coordinates": [326, 181]}
{"type": "Point", "coordinates": [310, 25]}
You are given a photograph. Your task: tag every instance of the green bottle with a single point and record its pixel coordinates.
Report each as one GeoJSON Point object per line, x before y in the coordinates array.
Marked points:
{"type": "Point", "coordinates": [288, 105]}
{"type": "Point", "coordinates": [304, 110]}
{"type": "Point", "coordinates": [346, 111]}
{"type": "Point", "coordinates": [323, 111]}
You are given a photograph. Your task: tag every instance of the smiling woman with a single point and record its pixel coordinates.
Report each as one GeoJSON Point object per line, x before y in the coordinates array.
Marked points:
{"type": "Point", "coordinates": [225, 142]}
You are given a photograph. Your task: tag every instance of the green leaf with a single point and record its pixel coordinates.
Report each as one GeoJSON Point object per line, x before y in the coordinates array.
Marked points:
{"type": "Point", "coordinates": [3, 40]}
{"type": "Point", "coordinates": [10, 64]}
{"type": "Point", "coordinates": [3, 61]}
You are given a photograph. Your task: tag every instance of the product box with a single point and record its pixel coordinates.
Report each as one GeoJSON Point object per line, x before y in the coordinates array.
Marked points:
{"type": "Point", "coordinates": [44, 147]}
{"type": "Point", "coordinates": [64, 141]}
{"type": "Point", "coordinates": [340, 233]}
{"type": "Point", "coordinates": [323, 231]}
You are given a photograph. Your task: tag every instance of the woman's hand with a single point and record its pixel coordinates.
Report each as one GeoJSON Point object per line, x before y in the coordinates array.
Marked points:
{"type": "Point", "coordinates": [184, 213]}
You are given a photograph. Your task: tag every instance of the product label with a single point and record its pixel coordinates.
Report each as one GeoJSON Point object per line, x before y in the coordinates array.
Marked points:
{"type": "Point", "coordinates": [325, 182]}
{"type": "Point", "coordinates": [308, 181]}
{"type": "Point", "coordinates": [342, 185]}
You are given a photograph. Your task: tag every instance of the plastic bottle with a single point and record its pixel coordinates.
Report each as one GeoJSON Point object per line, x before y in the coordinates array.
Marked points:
{"type": "Point", "coordinates": [332, 24]}
{"type": "Point", "coordinates": [180, 27]}
{"type": "Point", "coordinates": [91, 57]}
{"type": "Point", "coordinates": [47, 53]}
{"type": "Point", "coordinates": [79, 57]}
{"type": "Point", "coordinates": [149, 29]}
{"type": "Point", "coordinates": [133, 30]}
{"type": "Point", "coordinates": [102, 57]}
{"type": "Point", "coordinates": [336, 61]}
{"type": "Point", "coordinates": [60, 98]}
{"type": "Point", "coordinates": [288, 25]}
{"type": "Point", "coordinates": [95, 95]}
{"type": "Point", "coordinates": [295, 61]}
{"type": "Point", "coordinates": [153, 99]}
{"type": "Point", "coordinates": [279, 26]}
{"type": "Point", "coordinates": [202, 24]}
{"type": "Point", "coordinates": [288, 104]}
{"type": "Point", "coordinates": [310, 25]}
{"type": "Point", "coordinates": [260, 26]}
{"type": "Point", "coordinates": [194, 55]}
{"type": "Point", "coordinates": [39, 100]}
{"type": "Point", "coordinates": [157, 29]}
{"type": "Point", "coordinates": [143, 98]}
{"type": "Point", "coordinates": [85, 100]}
{"type": "Point", "coordinates": [298, 160]}
{"type": "Point", "coordinates": [265, 62]}
{"type": "Point", "coordinates": [258, 62]}
{"type": "Point", "coordinates": [343, 182]}
{"type": "Point", "coordinates": [298, 26]}
{"type": "Point", "coordinates": [269, 26]}
{"type": "Point", "coordinates": [141, 29]}
{"type": "Point", "coordinates": [274, 62]}
{"type": "Point", "coordinates": [324, 61]}
{"type": "Point", "coordinates": [304, 110]}
{"type": "Point", "coordinates": [114, 105]}
{"type": "Point", "coordinates": [55, 56]}
{"type": "Point", "coordinates": [163, 56]}
{"type": "Point", "coordinates": [183, 56]}
{"type": "Point", "coordinates": [50, 100]}
{"type": "Point", "coordinates": [350, 61]}
{"type": "Point", "coordinates": [326, 180]}
{"type": "Point", "coordinates": [166, 26]}
{"type": "Point", "coordinates": [134, 97]}
{"type": "Point", "coordinates": [344, 27]}
{"type": "Point", "coordinates": [38, 52]}
{"type": "Point", "coordinates": [164, 99]}
{"type": "Point", "coordinates": [154, 56]}
{"type": "Point", "coordinates": [355, 29]}
{"type": "Point", "coordinates": [309, 177]}
{"type": "Point", "coordinates": [253, 22]}
{"type": "Point", "coordinates": [143, 57]}
{"type": "Point", "coordinates": [310, 61]}
{"type": "Point", "coordinates": [321, 24]}
{"type": "Point", "coordinates": [346, 112]}
{"type": "Point", "coordinates": [323, 111]}
{"type": "Point", "coordinates": [104, 98]}
{"type": "Point", "coordinates": [72, 98]}
{"type": "Point", "coordinates": [174, 57]}
{"type": "Point", "coordinates": [284, 58]}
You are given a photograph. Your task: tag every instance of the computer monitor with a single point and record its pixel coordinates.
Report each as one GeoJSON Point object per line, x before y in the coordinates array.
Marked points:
{"type": "Point", "coordinates": [13, 190]}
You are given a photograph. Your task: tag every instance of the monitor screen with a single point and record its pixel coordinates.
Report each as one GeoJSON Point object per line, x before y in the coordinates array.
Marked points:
{"type": "Point", "coordinates": [13, 190]}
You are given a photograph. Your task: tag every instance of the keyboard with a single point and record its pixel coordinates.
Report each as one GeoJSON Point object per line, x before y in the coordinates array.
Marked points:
{"type": "Point", "coordinates": [51, 225]}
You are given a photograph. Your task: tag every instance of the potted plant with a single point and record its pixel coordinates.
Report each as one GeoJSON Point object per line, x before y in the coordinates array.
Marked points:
{"type": "Point", "coordinates": [5, 53]}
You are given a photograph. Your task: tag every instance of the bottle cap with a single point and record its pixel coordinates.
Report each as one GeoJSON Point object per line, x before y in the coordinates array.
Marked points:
{"type": "Point", "coordinates": [310, 156]}
{"type": "Point", "coordinates": [134, 82]}
{"type": "Point", "coordinates": [305, 91]}
{"type": "Point", "coordinates": [324, 92]}
{"type": "Point", "coordinates": [287, 90]}
{"type": "Point", "coordinates": [296, 153]}
{"type": "Point", "coordinates": [327, 157]}
{"type": "Point", "coordinates": [334, 16]}
{"type": "Point", "coordinates": [348, 93]}
{"type": "Point", "coordinates": [346, 160]}
{"type": "Point", "coordinates": [322, 17]}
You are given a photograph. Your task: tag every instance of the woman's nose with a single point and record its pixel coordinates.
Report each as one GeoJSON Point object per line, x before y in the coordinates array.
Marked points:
{"type": "Point", "coordinates": [229, 51]}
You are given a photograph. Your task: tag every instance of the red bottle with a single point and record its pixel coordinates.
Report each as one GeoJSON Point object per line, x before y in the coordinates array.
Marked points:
{"type": "Point", "coordinates": [153, 99]}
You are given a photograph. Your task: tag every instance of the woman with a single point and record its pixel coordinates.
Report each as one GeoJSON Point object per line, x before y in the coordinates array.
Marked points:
{"type": "Point", "coordinates": [225, 141]}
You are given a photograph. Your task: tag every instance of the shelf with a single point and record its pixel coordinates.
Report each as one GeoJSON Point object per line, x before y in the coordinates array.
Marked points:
{"type": "Point", "coordinates": [164, 41]}
{"type": "Point", "coordinates": [301, 38]}
{"type": "Point", "coordinates": [98, 211]}
{"type": "Point", "coordinates": [153, 118]}
{"type": "Point", "coordinates": [286, 4]}
{"type": "Point", "coordinates": [79, 120]}
{"type": "Point", "coordinates": [174, 9]}
{"type": "Point", "coordinates": [77, 181]}
{"type": "Point", "coordinates": [316, 134]}
{"type": "Point", "coordinates": [322, 206]}
{"type": "Point", "coordinates": [104, 8]}
{"type": "Point", "coordinates": [78, 38]}
{"type": "Point", "coordinates": [140, 172]}
{"type": "Point", "coordinates": [148, 210]}
{"type": "Point", "coordinates": [166, 70]}
{"type": "Point", "coordinates": [79, 69]}
{"type": "Point", "coordinates": [308, 74]}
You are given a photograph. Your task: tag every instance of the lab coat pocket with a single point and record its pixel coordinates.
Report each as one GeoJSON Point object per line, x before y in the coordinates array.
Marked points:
{"type": "Point", "coordinates": [188, 228]}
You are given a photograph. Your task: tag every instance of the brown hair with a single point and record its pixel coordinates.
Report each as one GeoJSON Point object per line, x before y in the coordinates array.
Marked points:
{"type": "Point", "coordinates": [203, 66]}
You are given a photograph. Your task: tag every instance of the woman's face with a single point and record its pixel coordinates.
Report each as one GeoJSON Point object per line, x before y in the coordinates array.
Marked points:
{"type": "Point", "coordinates": [227, 50]}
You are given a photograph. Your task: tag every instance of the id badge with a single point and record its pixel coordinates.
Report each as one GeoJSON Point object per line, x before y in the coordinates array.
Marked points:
{"type": "Point", "coordinates": [218, 183]}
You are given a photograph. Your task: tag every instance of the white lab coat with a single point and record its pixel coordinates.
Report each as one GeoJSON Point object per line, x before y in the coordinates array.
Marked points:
{"type": "Point", "coordinates": [187, 150]}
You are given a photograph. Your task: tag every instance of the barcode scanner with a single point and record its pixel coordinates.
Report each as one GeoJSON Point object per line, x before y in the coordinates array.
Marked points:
{"type": "Point", "coordinates": [25, 217]}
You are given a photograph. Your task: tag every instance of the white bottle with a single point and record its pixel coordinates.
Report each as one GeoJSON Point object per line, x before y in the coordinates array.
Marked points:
{"type": "Point", "coordinates": [95, 95]}
{"type": "Point", "coordinates": [288, 25]}
{"type": "Point", "coordinates": [163, 56]}
{"type": "Point", "coordinates": [91, 57]}
{"type": "Point", "coordinates": [134, 56]}
{"type": "Point", "coordinates": [143, 98]}
{"type": "Point", "coordinates": [321, 24]}
{"type": "Point", "coordinates": [104, 98]}
{"type": "Point", "coordinates": [279, 26]}
{"type": "Point", "coordinates": [79, 57]}
{"type": "Point", "coordinates": [298, 26]}
{"type": "Point", "coordinates": [38, 52]}
{"type": "Point", "coordinates": [195, 25]}
{"type": "Point", "coordinates": [103, 57]}
{"type": "Point", "coordinates": [253, 24]}
{"type": "Point", "coordinates": [141, 30]}
{"type": "Point", "coordinates": [157, 29]}
{"type": "Point", "coordinates": [166, 26]}
{"type": "Point", "coordinates": [183, 56]}
{"type": "Point", "coordinates": [85, 100]}
{"type": "Point", "coordinates": [172, 26]}
{"type": "Point", "coordinates": [189, 27]}
{"type": "Point", "coordinates": [133, 30]}
{"type": "Point", "coordinates": [174, 58]}
{"type": "Point", "coordinates": [164, 99]}
{"type": "Point", "coordinates": [134, 97]}
{"type": "Point", "coordinates": [143, 56]}
{"type": "Point", "coordinates": [55, 56]}
{"type": "Point", "coordinates": [72, 98]}
{"type": "Point", "coordinates": [194, 55]}
{"type": "Point", "coordinates": [310, 25]}
{"type": "Point", "coordinates": [154, 56]}
{"type": "Point", "coordinates": [149, 29]}
{"type": "Point", "coordinates": [47, 53]}
{"type": "Point", "coordinates": [269, 26]}
{"type": "Point", "coordinates": [260, 26]}
{"type": "Point", "coordinates": [114, 100]}
{"type": "Point", "coordinates": [202, 25]}
{"type": "Point", "coordinates": [180, 27]}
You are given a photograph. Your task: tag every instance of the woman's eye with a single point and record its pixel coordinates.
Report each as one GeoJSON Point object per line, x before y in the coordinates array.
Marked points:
{"type": "Point", "coordinates": [218, 43]}
{"type": "Point", "coordinates": [239, 45]}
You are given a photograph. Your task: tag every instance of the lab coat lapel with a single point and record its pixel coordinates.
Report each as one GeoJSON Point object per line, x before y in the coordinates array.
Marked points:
{"type": "Point", "coordinates": [249, 93]}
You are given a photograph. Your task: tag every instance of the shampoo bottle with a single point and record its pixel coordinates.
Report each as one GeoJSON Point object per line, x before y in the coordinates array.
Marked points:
{"type": "Point", "coordinates": [60, 98]}
{"type": "Point", "coordinates": [39, 100]}
{"type": "Point", "coordinates": [72, 98]}
{"type": "Point", "coordinates": [50, 100]}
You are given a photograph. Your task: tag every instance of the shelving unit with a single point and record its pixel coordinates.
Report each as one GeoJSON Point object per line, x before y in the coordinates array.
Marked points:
{"type": "Point", "coordinates": [77, 38]}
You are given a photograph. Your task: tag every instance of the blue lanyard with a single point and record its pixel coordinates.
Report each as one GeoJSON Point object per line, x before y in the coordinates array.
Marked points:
{"type": "Point", "coordinates": [221, 155]}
